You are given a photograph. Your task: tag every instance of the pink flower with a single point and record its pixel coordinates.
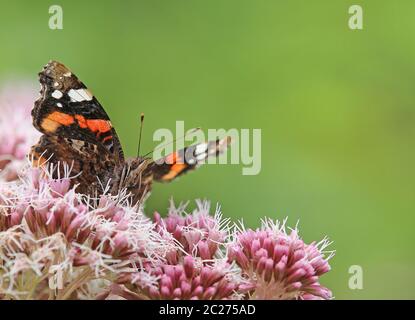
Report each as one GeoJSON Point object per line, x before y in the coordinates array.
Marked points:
{"type": "Point", "coordinates": [279, 264]}
{"type": "Point", "coordinates": [17, 134]}
{"type": "Point", "coordinates": [199, 233]}
{"type": "Point", "coordinates": [194, 279]}
{"type": "Point", "coordinates": [98, 238]}
{"type": "Point", "coordinates": [198, 269]}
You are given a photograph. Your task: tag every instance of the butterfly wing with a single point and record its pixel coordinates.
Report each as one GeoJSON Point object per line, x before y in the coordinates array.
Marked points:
{"type": "Point", "coordinates": [68, 109]}
{"type": "Point", "coordinates": [187, 159]}
{"type": "Point", "coordinates": [136, 175]}
{"type": "Point", "coordinates": [91, 165]}
{"type": "Point", "coordinates": [76, 130]}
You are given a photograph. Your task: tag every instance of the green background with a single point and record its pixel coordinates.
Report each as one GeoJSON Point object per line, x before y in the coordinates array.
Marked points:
{"type": "Point", "coordinates": [336, 108]}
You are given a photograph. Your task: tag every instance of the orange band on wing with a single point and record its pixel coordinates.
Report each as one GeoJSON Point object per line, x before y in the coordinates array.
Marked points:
{"type": "Point", "coordinates": [174, 171]}
{"type": "Point", "coordinates": [54, 120]}
{"type": "Point", "coordinates": [81, 121]}
{"type": "Point", "coordinates": [107, 138]}
{"type": "Point", "coordinates": [174, 158]}
{"type": "Point", "coordinates": [95, 125]}
{"type": "Point", "coordinates": [101, 126]}
{"type": "Point", "coordinates": [61, 118]}
{"type": "Point", "coordinates": [176, 167]}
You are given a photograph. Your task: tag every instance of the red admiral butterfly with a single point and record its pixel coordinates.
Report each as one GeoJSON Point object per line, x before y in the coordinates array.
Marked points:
{"type": "Point", "coordinates": [76, 130]}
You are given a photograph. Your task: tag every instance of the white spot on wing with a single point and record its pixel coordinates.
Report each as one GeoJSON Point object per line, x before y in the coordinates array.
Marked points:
{"type": "Point", "coordinates": [201, 148]}
{"type": "Point", "coordinates": [201, 156]}
{"type": "Point", "coordinates": [59, 105]}
{"type": "Point", "coordinates": [80, 95]}
{"type": "Point", "coordinates": [57, 94]}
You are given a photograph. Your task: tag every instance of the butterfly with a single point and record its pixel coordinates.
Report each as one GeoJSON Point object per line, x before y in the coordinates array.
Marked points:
{"type": "Point", "coordinates": [76, 130]}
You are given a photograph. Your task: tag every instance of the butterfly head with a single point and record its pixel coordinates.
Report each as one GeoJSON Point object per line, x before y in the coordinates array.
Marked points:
{"type": "Point", "coordinates": [135, 176]}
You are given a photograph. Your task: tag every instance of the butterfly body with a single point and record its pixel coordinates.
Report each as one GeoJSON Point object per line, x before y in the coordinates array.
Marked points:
{"type": "Point", "coordinates": [77, 131]}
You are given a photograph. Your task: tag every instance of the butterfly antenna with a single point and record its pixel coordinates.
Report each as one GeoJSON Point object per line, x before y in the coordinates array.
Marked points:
{"type": "Point", "coordinates": [139, 136]}
{"type": "Point", "coordinates": [179, 138]}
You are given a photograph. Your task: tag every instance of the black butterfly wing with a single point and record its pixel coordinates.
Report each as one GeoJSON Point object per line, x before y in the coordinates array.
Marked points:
{"type": "Point", "coordinates": [187, 159]}
{"type": "Point", "coordinates": [68, 109]}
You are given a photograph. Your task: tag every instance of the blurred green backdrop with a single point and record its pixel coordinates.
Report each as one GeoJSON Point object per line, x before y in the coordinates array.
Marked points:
{"type": "Point", "coordinates": [336, 108]}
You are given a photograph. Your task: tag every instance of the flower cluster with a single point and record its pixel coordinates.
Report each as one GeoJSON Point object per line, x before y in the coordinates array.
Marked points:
{"type": "Point", "coordinates": [199, 270]}
{"type": "Point", "coordinates": [51, 234]}
{"type": "Point", "coordinates": [218, 260]}
{"type": "Point", "coordinates": [53, 237]}
{"type": "Point", "coordinates": [280, 265]}
{"type": "Point", "coordinates": [56, 243]}
{"type": "Point", "coordinates": [17, 134]}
